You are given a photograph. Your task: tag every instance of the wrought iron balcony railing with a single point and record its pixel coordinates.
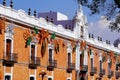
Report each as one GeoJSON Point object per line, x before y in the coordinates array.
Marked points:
{"type": "Point", "coordinates": [70, 67]}
{"type": "Point", "coordinates": [83, 69]}
{"type": "Point", "coordinates": [34, 62]}
{"type": "Point", "coordinates": [102, 72]}
{"type": "Point", "coordinates": [110, 74]}
{"type": "Point", "coordinates": [52, 64]}
{"type": "Point", "coordinates": [93, 71]}
{"type": "Point", "coordinates": [9, 59]}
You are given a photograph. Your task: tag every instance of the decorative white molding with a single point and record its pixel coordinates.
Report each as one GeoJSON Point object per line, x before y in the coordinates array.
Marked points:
{"type": "Point", "coordinates": [102, 45]}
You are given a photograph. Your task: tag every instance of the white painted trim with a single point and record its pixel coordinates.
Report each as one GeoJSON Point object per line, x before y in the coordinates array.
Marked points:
{"type": "Point", "coordinates": [69, 78]}
{"type": "Point", "coordinates": [85, 57]}
{"type": "Point", "coordinates": [35, 48]}
{"type": "Point", "coordinates": [12, 73]}
{"type": "Point", "coordinates": [78, 52]}
{"type": "Point", "coordinates": [69, 50]}
{"type": "Point", "coordinates": [50, 46]}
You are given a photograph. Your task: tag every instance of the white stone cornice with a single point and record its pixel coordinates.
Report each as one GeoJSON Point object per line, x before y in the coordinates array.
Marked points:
{"type": "Point", "coordinates": [21, 17]}
{"type": "Point", "coordinates": [102, 45]}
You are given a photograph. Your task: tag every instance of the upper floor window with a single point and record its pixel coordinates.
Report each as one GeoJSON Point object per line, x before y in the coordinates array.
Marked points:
{"type": "Point", "coordinates": [32, 50]}
{"type": "Point", "coordinates": [91, 62]}
{"type": "Point", "coordinates": [100, 65]}
{"type": "Point", "coordinates": [109, 66]}
{"type": "Point", "coordinates": [50, 54]}
{"type": "Point", "coordinates": [81, 59]}
{"type": "Point", "coordinates": [69, 58]}
{"type": "Point", "coordinates": [8, 46]}
{"type": "Point", "coordinates": [82, 29]}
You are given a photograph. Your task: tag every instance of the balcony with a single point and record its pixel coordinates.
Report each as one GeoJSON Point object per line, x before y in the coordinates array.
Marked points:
{"type": "Point", "coordinates": [70, 67]}
{"type": "Point", "coordinates": [51, 65]}
{"type": "Point", "coordinates": [102, 72]}
{"type": "Point", "coordinates": [34, 62]}
{"type": "Point", "coordinates": [110, 74]}
{"type": "Point", "coordinates": [9, 59]}
{"type": "Point", "coordinates": [83, 69]}
{"type": "Point", "coordinates": [93, 71]}
{"type": "Point", "coordinates": [117, 75]}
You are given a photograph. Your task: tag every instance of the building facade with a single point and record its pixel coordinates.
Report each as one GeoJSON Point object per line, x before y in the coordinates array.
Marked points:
{"type": "Point", "coordinates": [53, 49]}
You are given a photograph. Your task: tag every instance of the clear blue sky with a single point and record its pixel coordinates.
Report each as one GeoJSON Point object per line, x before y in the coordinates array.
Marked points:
{"type": "Point", "coordinates": [67, 7]}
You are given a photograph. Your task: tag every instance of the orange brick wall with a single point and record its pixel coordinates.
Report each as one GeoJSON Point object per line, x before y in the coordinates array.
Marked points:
{"type": "Point", "coordinates": [21, 70]}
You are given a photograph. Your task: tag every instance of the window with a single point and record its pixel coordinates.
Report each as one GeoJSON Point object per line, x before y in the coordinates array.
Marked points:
{"type": "Point", "coordinates": [32, 50]}
{"type": "Point", "coordinates": [69, 58]}
{"type": "Point", "coordinates": [100, 65]}
{"type": "Point", "coordinates": [49, 78]}
{"type": "Point", "coordinates": [81, 59]}
{"type": "Point", "coordinates": [8, 49]}
{"type": "Point", "coordinates": [108, 67]}
{"type": "Point", "coordinates": [8, 46]}
{"type": "Point", "coordinates": [32, 78]}
{"type": "Point", "coordinates": [32, 55]}
{"type": "Point", "coordinates": [7, 77]}
{"type": "Point", "coordinates": [50, 55]}
{"type": "Point", "coordinates": [91, 63]}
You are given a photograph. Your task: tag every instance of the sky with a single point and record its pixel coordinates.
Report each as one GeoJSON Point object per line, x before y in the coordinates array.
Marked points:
{"type": "Point", "coordinates": [97, 24]}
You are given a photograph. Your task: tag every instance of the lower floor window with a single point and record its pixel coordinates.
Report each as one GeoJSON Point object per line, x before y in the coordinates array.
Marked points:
{"type": "Point", "coordinates": [7, 77]}
{"type": "Point", "coordinates": [49, 78]}
{"type": "Point", "coordinates": [32, 78]}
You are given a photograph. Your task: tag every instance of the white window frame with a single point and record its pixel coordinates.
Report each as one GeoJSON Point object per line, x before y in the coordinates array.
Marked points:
{"type": "Point", "coordinates": [92, 57]}
{"type": "Point", "coordinates": [69, 50]}
{"type": "Point", "coordinates": [35, 48]}
{"type": "Point", "coordinates": [50, 46]}
{"type": "Point", "coordinates": [6, 37]}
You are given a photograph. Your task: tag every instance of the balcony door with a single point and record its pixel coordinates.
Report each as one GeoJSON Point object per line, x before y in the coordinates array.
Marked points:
{"type": "Point", "coordinates": [69, 58]}
{"type": "Point", "coordinates": [50, 55]}
{"type": "Point", "coordinates": [32, 55]}
{"type": "Point", "coordinates": [8, 48]}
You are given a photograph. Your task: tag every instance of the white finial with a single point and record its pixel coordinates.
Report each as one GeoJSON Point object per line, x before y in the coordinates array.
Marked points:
{"type": "Point", "coordinates": [79, 6]}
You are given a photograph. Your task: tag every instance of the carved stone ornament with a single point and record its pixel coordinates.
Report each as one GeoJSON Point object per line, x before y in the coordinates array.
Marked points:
{"type": "Point", "coordinates": [10, 29]}
{"type": "Point", "coordinates": [34, 39]}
